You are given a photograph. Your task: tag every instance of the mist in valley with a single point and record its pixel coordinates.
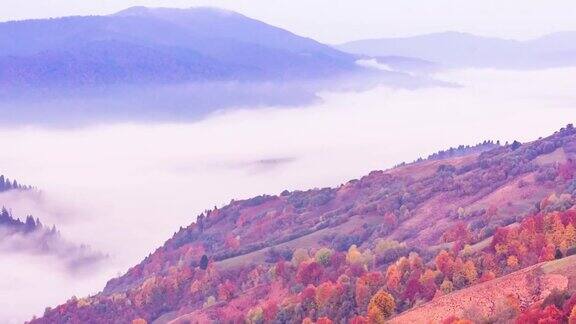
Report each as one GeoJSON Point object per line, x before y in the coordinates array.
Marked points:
{"type": "Point", "coordinates": [124, 188]}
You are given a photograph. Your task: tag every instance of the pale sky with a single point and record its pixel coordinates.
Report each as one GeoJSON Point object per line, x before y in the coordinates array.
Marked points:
{"type": "Point", "coordinates": [336, 21]}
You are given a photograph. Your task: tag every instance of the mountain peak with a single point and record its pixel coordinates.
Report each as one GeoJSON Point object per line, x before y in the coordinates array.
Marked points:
{"type": "Point", "coordinates": [136, 10]}
{"type": "Point", "coordinates": [145, 11]}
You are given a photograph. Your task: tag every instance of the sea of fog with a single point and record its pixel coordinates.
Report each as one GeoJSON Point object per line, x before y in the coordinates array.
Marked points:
{"type": "Point", "coordinates": [125, 188]}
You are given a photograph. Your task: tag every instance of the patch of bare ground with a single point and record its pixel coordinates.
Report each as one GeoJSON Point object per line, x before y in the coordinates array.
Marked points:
{"type": "Point", "coordinates": [427, 168]}
{"type": "Point", "coordinates": [558, 156]}
{"type": "Point", "coordinates": [528, 285]}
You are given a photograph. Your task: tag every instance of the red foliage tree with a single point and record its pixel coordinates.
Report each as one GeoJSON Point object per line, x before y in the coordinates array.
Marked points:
{"type": "Point", "coordinates": [270, 309]}
{"type": "Point", "coordinates": [308, 295]}
{"type": "Point", "coordinates": [359, 320]}
{"type": "Point", "coordinates": [445, 263]}
{"type": "Point", "coordinates": [324, 320]}
{"type": "Point", "coordinates": [413, 288]}
{"type": "Point", "coordinates": [309, 273]}
{"type": "Point", "coordinates": [547, 253]}
{"type": "Point", "coordinates": [226, 290]}
{"type": "Point", "coordinates": [549, 315]}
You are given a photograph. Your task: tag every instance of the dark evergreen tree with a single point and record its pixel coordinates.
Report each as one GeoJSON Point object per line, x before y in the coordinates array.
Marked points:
{"type": "Point", "coordinates": [204, 262]}
{"type": "Point", "coordinates": [8, 184]}
{"type": "Point", "coordinates": [5, 216]}
{"type": "Point", "coordinates": [558, 254]}
{"type": "Point", "coordinates": [30, 224]}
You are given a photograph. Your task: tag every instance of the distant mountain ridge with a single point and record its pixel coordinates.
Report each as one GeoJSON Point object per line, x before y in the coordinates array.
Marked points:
{"type": "Point", "coordinates": [162, 64]}
{"type": "Point", "coordinates": [159, 45]}
{"type": "Point", "coordinates": [454, 49]}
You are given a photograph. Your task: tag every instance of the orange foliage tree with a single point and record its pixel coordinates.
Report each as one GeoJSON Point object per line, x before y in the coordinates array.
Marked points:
{"type": "Point", "coordinates": [382, 305]}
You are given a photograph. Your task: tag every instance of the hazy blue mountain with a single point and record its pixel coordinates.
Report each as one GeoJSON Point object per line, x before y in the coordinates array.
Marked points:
{"type": "Point", "coordinates": [143, 45]}
{"type": "Point", "coordinates": [466, 50]}
{"type": "Point", "coordinates": [159, 64]}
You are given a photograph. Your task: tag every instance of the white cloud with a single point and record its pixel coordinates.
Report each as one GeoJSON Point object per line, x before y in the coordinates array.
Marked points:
{"type": "Point", "coordinates": [373, 64]}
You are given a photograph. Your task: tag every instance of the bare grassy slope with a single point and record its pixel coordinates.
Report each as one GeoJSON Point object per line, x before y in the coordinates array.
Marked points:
{"type": "Point", "coordinates": [529, 285]}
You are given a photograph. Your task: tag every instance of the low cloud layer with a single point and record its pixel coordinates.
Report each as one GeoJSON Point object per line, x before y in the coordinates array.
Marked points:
{"type": "Point", "coordinates": [124, 189]}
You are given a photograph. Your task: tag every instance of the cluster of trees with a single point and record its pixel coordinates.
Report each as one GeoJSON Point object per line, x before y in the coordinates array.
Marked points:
{"type": "Point", "coordinates": [458, 151]}
{"type": "Point", "coordinates": [464, 149]}
{"type": "Point", "coordinates": [6, 184]}
{"type": "Point", "coordinates": [11, 224]}
{"type": "Point", "coordinates": [558, 307]}
{"type": "Point", "coordinates": [31, 236]}
{"type": "Point", "coordinates": [321, 285]}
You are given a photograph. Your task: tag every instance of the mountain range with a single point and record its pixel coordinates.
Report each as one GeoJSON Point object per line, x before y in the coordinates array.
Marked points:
{"type": "Point", "coordinates": [159, 45]}
{"type": "Point", "coordinates": [481, 233]}
{"type": "Point", "coordinates": [162, 64]}
{"type": "Point", "coordinates": [455, 49]}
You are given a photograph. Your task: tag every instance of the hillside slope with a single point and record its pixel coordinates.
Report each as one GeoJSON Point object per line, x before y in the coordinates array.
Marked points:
{"type": "Point", "coordinates": [372, 247]}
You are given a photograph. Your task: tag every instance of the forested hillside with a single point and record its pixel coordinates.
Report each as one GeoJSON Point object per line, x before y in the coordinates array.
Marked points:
{"type": "Point", "coordinates": [30, 236]}
{"type": "Point", "coordinates": [401, 242]}
{"type": "Point", "coordinates": [6, 185]}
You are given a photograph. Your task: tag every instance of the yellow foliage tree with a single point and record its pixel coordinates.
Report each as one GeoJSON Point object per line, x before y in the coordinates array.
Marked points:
{"type": "Point", "coordinates": [554, 229]}
{"type": "Point", "coordinates": [572, 318]}
{"type": "Point", "coordinates": [512, 261]}
{"type": "Point", "coordinates": [323, 255]}
{"type": "Point", "coordinates": [375, 316]}
{"type": "Point", "coordinates": [83, 302]}
{"type": "Point", "coordinates": [415, 261]}
{"type": "Point", "coordinates": [570, 235]}
{"type": "Point", "coordinates": [323, 293]}
{"type": "Point", "coordinates": [255, 315]}
{"type": "Point", "coordinates": [299, 256]}
{"type": "Point", "coordinates": [428, 277]}
{"type": "Point", "coordinates": [211, 300]}
{"type": "Point", "coordinates": [367, 257]}
{"type": "Point", "coordinates": [403, 264]}
{"type": "Point", "coordinates": [354, 255]}
{"type": "Point", "coordinates": [467, 250]}
{"type": "Point", "coordinates": [447, 286]}
{"type": "Point", "coordinates": [470, 271]}
{"type": "Point", "coordinates": [501, 249]}
{"type": "Point", "coordinates": [393, 277]}
{"type": "Point", "coordinates": [464, 272]}
{"type": "Point", "coordinates": [382, 303]}
{"type": "Point", "coordinates": [382, 246]}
